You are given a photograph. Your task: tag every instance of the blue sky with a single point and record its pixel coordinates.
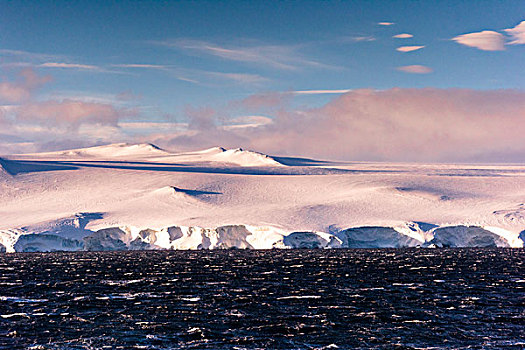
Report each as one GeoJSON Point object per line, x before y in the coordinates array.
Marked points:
{"type": "Point", "coordinates": [160, 62]}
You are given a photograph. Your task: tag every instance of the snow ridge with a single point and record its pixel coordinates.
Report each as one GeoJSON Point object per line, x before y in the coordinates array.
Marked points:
{"type": "Point", "coordinates": [237, 157]}
{"type": "Point", "coordinates": [116, 150]}
{"type": "Point", "coordinates": [126, 151]}
{"type": "Point", "coordinates": [246, 158]}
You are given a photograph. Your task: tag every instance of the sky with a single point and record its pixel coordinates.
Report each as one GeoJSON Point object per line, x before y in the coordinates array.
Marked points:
{"type": "Point", "coordinates": [426, 81]}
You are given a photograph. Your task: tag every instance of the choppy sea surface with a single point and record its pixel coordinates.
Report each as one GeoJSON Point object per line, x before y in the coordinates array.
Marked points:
{"type": "Point", "coordinates": [277, 299]}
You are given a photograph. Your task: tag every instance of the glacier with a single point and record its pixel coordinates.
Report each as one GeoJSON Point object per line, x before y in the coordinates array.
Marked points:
{"type": "Point", "coordinates": [138, 196]}
{"type": "Point", "coordinates": [69, 235]}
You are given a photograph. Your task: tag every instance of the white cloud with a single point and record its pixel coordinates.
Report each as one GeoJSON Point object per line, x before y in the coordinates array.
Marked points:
{"type": "Point", "coordinates": [77, 66]}
{"type": "Point", "coordinates": [152, 125]}
{"type": "Point", "coordinates": [386, 23]}
{"type": "Point", "coordinates": [252, 121]}
{"type": "Point", "coordinates": [403, 36]}
{"type": "Point", "coordinates": [32, 56]}
{"type": "Point", "coordinates": [415, 69]}
{"type": "Point", "coordinates": [123, 99]}
{"type": "Point", "coordinates": [363, 38]}
{"type": "Point", "coordinates": [68, 65]}
{"type": "Point", "coordinates": [486, 40]}
{"type": "Point", "coordinates": [193, 81]}
{"type": "Point", "coordinates": [409, 48]}
{"type": "Point", "coordinates": [517, 33]}
{"type": "Point", "coordinates": [241, 78]}
{"type": "Point", "coordinates": [141, 66]}
{"type": "Point", "coordinates": [320, 92]}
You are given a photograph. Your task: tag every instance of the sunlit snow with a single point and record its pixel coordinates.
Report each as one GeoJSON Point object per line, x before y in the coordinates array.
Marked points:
{"type": "Point", "coordinates": [138, 196]}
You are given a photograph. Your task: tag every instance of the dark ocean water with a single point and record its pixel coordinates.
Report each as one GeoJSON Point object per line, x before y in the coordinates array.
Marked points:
{"type": "Point", "coordinates": [246, 299]}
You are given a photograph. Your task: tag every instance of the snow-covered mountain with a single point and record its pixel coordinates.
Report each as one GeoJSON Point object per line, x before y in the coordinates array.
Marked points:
{"type": "Point", "coordinates": [126, 196]}
{"type": "Point", "coordinates": [125, 151]}
{"type": "Point", "coordinates": [238, 157]}
{"type": "Point", "coordinates": [116, 150]}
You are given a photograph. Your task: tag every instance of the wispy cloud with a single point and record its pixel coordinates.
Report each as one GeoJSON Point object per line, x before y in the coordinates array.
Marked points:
{"type": "Point", "coordinates": [149, 128]}
{"type": "Point", "coordinates": [386, 23]}
{"type": "Point", "coordinates": [62, 65]}
{"type": "Point", "coordinates": [362, 38]}
{"type": "Point", "coordinates": [403, 36]}
{"type": "Point", "coordinates": [517, 34]}
{"type": "Point", "coordinates": [252, 121]}
{"type": "Point", "coordinates": [415, 69]}
{"type": "Point", "coordinates": [122, 99]}
{"type": "Point", "coordinates": [486, 40]}
{"type": "Point", "coordinates": [189, 80]}
{"type": "Point", "coordinates": [241, 78]}
{"type": "Point", "coordinates": [152, 125]}
{"type": "Point", "coordinates": [30, 56]}
{"type": "Point", "coordinates": [285, 57]}
{"type": "Point", "coordinates": [79, 67]}
{"type": "Point", "coordinates": [320, 92]}
{"type": "Point", "coordinates": [196, 76]}
{"type": "Point", "coordinates": [409, 48]}
{"type": "Point", "coordinates": [142, 66]}
{"type": "Point", "coordinates": [20, 59]}
{"type": "Point", "coordinates": [68, 65]}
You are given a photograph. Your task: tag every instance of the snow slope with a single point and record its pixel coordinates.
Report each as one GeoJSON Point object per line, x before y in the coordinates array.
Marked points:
{"type": "Point", "coordinates": [116, 150]}
{"type": "Point", "coordinates": [125, 196]}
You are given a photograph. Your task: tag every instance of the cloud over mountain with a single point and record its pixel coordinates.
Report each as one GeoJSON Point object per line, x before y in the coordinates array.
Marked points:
{"type": "Point", "coordinates": [35, 123]}
{"type": "Point", "coordinates": [396, 124]}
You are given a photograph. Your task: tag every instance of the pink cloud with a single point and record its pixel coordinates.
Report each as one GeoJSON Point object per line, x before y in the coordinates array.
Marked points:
{"type": "Point", "coordinates": [70, 112]}
{"type": "Point", "coordinates": [65, 112]}
{"type": "Point", "coordinates": [402, 36]}
{"type": "Point", "coordinates": [517, 33]}
{"type": "Point", "coordinates": [264, 100]}
{"type": "Point", "coordinates": [397, 124]}
{"type": "Point", "coordinates": [415, 69]}
{"type": "Point", "coordinates": [486, 40]}
{"type": "Point", "coordinates": [11, 93]}
{"type": "Point", "coordinates": [201, 118]}
{"type": "Point", "coordinates": [22, 88]}
{"type": "Point", "coordinates": [32, 81]}
{"type": "Point", "coordinates": [409, 48]}
{"type": "Point", "coordinates": [51, 123]}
